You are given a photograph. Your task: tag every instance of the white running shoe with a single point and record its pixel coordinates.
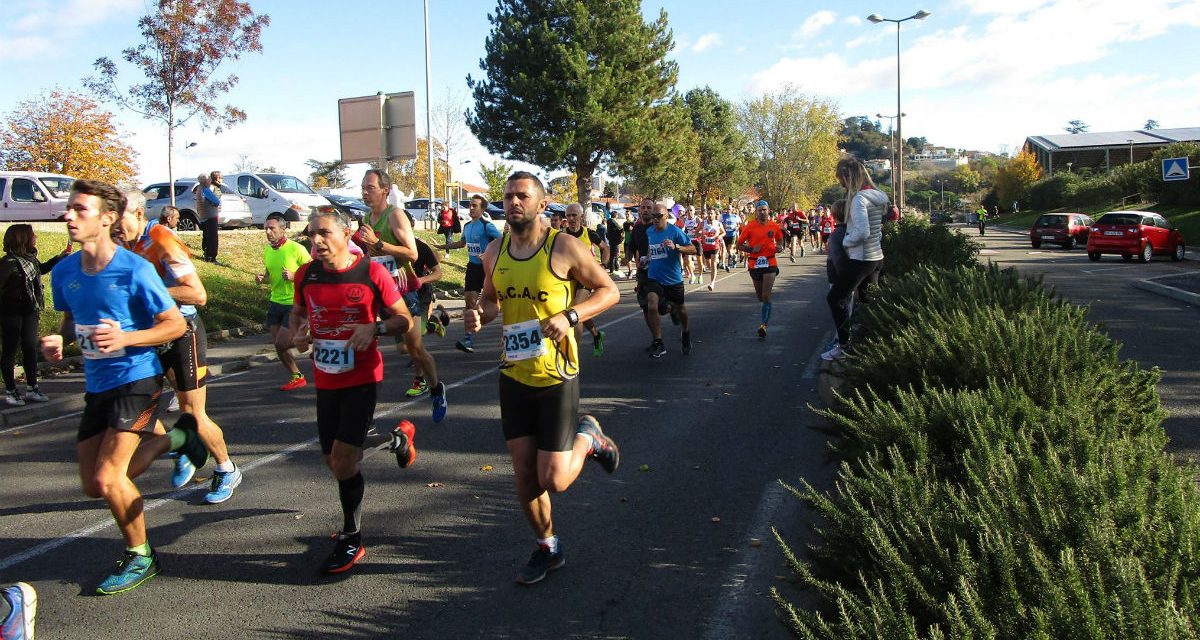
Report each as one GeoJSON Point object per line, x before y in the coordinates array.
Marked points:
{"type": "Point", "coordinates": [35, 395]}
{"type": "Point", "coordinates": [173, 405]}
{"type": "Point", "coordinates": [836, 353]}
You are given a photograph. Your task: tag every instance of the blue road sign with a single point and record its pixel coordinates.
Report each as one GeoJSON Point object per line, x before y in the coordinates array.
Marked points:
{"type": "Point", "coordinates": [1174, 169]}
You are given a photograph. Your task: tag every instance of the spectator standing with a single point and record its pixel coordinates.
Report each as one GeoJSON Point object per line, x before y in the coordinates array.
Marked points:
{"type": "Point", "coordinates": [616, 237]}
{"type": "Point", "coordinates": [22, 299]}
{"type": "Point", "coordinates": [208, 210]}
{"type": "Point", "coordinates": [446, 224]}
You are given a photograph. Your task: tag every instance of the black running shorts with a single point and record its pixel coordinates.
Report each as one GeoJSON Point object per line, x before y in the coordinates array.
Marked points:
{"type": "Point", "coordinates": [345, 415]}
{"type": "Point", "coordinates": [672, 293]}
{"type": "Point", "coordinates": [474, 278]}
{"type": "Point", "coordinates": [708, 253]}
{"type": "Point", "coordinates": [187, 357]}
{"type": "Point", "coordinates": [129, 407]}
{"type": "Point", "coordinates": [550, 415]}
{"type": "Point", "coordinates": [757, 274]}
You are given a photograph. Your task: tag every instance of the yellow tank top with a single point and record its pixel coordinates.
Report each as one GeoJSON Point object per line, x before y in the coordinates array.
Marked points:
{"type": "Point", "coordinates": [586, 239]}
{"type": "Point", "coordinates": [529, 292]}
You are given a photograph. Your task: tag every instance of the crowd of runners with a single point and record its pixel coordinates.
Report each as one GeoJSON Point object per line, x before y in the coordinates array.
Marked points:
{"type": "Point", "coordinates": [130, 294]}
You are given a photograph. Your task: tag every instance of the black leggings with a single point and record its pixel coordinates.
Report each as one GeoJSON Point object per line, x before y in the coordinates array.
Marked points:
{"type": "Point", "coordinates": [21, 330]}
{"type": "Point", "coordinates": [210, 239]}
{"type": "Point", "coordinates": [842, 293]}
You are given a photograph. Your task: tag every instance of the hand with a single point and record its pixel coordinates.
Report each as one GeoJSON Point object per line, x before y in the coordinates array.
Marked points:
{"type": "Point", "coordinates": [287, 275]}
{"type": "Point", "coordinates": [109, 336]}
{"type": "Point", "coordinates": [259, 278]}
{"type": "Point", "coordinates": [367, 235]}
{"type": "Point", "coordinates": [362, 337]}
{"type": "Point", "coordinates": [52, 348]}
{"type": "Point", "coordinates": [556, 327]}
{"type": "Point", "coordinates": [756, 248]}
{"type": "Point", "coordinates": [69, 248]}
{"type": "Point", "coordinates": [472, 320]}
{"type": "Point", "coordinates": [669, 244]}
{"type": "Point", "coordinates": [301, 337]}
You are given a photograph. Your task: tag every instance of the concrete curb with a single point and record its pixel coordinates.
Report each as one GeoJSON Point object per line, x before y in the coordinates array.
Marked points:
{"type": "Point", "coordinates": [1167, 291]}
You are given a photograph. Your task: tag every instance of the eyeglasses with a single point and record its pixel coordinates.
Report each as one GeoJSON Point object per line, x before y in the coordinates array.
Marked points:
{"type": "Point", "coordinates": [658, 216]}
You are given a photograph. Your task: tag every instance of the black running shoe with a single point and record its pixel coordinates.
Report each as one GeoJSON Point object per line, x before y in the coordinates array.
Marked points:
{"type": "Point", "coordinates": [347, 551]}
{"type": "Point", "coordinates": [541, 563]}
{"type": "Point", "coordinates": [658, 349]}
{"type": "Point", "coordinates": [687, 342]}
{"type": "Point", "coordinates": [192, 447]}
{"type": "Point", "coordinates": [604, 450]}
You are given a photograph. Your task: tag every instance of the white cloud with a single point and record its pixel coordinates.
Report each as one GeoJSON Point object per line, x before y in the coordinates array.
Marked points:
{"type": "Point", "coordinates": [706, 41]}
{"type": "Point", "coordinates": [42, 24]}
{"type": "Point", "coordinates": [853, 21]}
{"type": "Point", "coordinates": [24, 47]}
{"type": "Point", "coordinates": [814, 23]}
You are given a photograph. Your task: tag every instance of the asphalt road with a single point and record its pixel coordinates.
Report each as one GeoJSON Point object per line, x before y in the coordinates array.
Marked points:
{"type": "Point", "coordinates": [667, 547]}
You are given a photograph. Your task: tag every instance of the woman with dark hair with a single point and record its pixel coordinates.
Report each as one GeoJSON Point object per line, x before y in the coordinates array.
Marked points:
{"type": "Point", "coordinates": [20, 306]}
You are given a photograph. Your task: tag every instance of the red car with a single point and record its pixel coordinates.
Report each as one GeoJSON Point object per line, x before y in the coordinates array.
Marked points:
{"type": "Point", "coordinates": [1134, 233]}
{"type": "Point", "coordinates": [1068, 230]}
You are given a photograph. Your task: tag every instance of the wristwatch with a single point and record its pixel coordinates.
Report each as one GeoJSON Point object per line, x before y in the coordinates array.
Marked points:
{"type": "Point", "coordinates": [378, 246]}
{"type": "Point", "coordinates": [379, 328]}
{"type": "Point", "coordinates": [572, 317]}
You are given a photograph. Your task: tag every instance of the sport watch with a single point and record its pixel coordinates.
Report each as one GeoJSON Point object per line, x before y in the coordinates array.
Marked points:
{"type": "Point", "coordinates": [572, 317]}
{"type": "Point", "coordinates": [379, 328]}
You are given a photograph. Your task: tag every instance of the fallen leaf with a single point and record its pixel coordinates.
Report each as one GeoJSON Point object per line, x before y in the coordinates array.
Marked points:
{"type": "Point", "coordinates": [755, 542]}
{"type": "Point", "coordinates": [432, 485]}
{"type": "Point", "coordinates": [486, 467]}
{"type": "Point", "coordinates": [716, 519]}
{"type": "Point", "coordinates": [644, 468]}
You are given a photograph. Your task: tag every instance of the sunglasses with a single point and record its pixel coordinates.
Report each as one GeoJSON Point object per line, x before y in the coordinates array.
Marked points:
{"type": "Point", "coordinates": [658, 216]}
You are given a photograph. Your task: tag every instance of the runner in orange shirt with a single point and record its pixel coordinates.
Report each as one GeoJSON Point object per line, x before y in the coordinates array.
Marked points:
{"type": "Point", "coordinates": [760, 240]}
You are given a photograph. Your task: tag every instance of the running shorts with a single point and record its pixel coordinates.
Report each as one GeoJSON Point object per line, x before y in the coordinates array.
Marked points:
{"type": "Point", "coordinates": [666, 293]}
{"type": "Point", "coordinates": [708, 253]}
{"type": "Point", "coordinates": [345, 415]}
{"type": "Point", "coordinates": [550, 415]}
{"type": "Point", "coordinates": [278, 314]}
{"type": "Point", "coordinates": [129, 407]}
{"type": "Point", "coordinates": [757, 274]}
{"type": "Point", "coordinates": [187, 356]}
{"type": "Point", "coordinates": [474, 278]}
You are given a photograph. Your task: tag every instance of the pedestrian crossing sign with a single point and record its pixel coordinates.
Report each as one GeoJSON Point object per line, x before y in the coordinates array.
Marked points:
{"type": "Point", "coordinates": [1174, 169]}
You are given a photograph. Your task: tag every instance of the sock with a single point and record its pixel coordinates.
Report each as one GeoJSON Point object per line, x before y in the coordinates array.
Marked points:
{"type": "Point", "coordinates": [297, 375]}
{"type": "Point", "coordinates": [550, 543]}
{"type": "Point", "coordinates": [142, 549]}
{"type": "Point", "coordinates": [178, 437]}
{"type": "Point", "coordinates": [766, 312]}
{"type": "Point", "coordinates": [227, 466]}
{"type": "Point", "coordinates": [350, 491]}
{"type": "Point", "coordinates": [470, 337]}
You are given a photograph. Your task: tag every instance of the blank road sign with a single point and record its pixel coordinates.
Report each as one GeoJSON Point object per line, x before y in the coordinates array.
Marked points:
{"type": "Point", "coordinates": [378, 126]}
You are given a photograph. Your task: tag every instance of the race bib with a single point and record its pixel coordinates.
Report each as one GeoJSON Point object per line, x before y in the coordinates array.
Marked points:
{"type": "Point", "coordinates": [474, 249]}
{"type": "Point", "coordinates": [523, 341]}
{"type": "Point", "coordinates": [389, 263]}
{"type": "Point", "coordinates": [87, 343]}
{"type": "Point", "coordinates": [333, 356]}
{"type": "Point", "coordinates": [762, 263]}
{"type": "Point", "coordinates": [658, 252]}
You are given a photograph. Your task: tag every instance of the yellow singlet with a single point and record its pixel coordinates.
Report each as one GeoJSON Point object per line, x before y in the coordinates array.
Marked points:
{"type": "Point", "coordinates": [529, 292]}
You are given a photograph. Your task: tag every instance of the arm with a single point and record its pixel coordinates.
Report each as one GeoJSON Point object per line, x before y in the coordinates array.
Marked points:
{"type": "Point", "coordinates": [407, 248]}
{"type": "Point", "coordinates": [457, 244]}
{"type": "Point", "coordinates": [190, 290]}
{"type": "Point", "coordinates": [168, 326]}
{"type": "Point", "coordinates": [435, 274]}
{"type": "Point", "coordinates": [582, 268]}
{"type": "Point", "coordinates": [488, 306]}
{"type": "Point", "coordinates": [298, 321]}
{"type": "Point", "coordinates": [210, 197]}
{"type": "Point", "coordinates": [52, 345]}
{"type": "Point", "coordinates": [858, 227]}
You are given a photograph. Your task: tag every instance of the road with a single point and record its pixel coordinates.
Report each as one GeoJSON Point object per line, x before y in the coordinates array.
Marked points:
{"type": "Point", "coordinates": [668, 546]}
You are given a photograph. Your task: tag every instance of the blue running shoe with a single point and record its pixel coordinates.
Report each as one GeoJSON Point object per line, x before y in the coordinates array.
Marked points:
{"type": "Point", "coordinates": [22, 602]}
{"type": "Point", "coordinates": [438, 395]}
{"type": "Point", "coordinates": [184, 471]}
{"type": "Point", "coordinates": [132, 571]}
{"type": "Point", "coordinates": [604, 450]}
{"type": "Point", "coordinates": [223, 484]}
{"type": "Point", "coordinates": [193, 448]}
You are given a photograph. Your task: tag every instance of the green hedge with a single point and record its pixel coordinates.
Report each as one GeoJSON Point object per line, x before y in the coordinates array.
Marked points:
{"type": "Point", "coordinates": [1003, 476]}
{"type": "Point", "coordinates": [914, 243]}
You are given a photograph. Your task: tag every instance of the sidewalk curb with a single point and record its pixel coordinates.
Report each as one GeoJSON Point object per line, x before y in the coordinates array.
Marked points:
{"type": "Point", "coordinates": [1167, 291]}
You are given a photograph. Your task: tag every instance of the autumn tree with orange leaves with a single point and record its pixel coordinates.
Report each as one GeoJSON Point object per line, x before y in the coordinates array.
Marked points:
{"type": "Point", "coordinates": [65, 133]}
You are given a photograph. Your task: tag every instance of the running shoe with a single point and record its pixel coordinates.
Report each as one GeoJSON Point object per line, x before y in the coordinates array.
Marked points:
{"type": "Point", "coordinates": [762, 330]}
{"type": "Point", "coordinates": [403, 444]}
{"type": "Point", "coordinates": [541, 563]}
{"type": "Point", "coordinates": [792, 259]}
{"type": "Point", "coordinates": [434, 326]}
{"type": "Point", "coordinates": [13, 399]}
{"type": "Point", "coordinates": [658, 349]}
{"type": "Point", "coordinates": [295, 383]}
{"type": "Point", "coordinates": [711, 285]}
{"type": "Point", "coordinates": [836, 353]}
{"type": "Point", "coordinates": [467, 344]}
{"type": "Point", "coordinates": [687, 342]}
{"type": "Point", "coordinates": [443, 316]}
{"type": "Point", "coordinates": [418, 388]}
{"type": "Point", "coordinates": [192, 447]}
{"type": "Point", "coordinates": [439, 402]}
{"type": "Point", "coordinates": [598, 344]}
{"type": "Point", "coordinates": [223, 484]}
{"type": "Point", "coordinates": [132, 570]}
{"type": "Point", "coordinates": [35, 394]}
{"type": "Point", "coordinates": [347, 551]}
{"type": "Point", "coordinates": [22, 604]}
{"type": "Point", "coordinates": [604, 450]}
{"type": "Point", "coordinates": [173, 405]}
{"type": "Point", "coordinates": [183, 473]}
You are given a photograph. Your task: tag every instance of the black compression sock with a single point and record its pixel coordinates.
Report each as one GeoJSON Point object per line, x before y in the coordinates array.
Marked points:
{"type": "Point", "coordinates": [351, 492]}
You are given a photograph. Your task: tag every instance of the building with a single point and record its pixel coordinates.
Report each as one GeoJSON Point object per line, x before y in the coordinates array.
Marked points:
{"type": "Point", "coordinates": [1103, 150]}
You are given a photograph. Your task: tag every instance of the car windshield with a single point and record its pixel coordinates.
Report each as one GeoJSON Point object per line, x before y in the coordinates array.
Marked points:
{"type": "Point", "coordinates": [1055, 222]}
{"type": "Point", "coordinates": [285, 184]}
{"type": "Point", "coordinates": [1121, 218]}
{"type": "Point", "coordinates": [58, 187]}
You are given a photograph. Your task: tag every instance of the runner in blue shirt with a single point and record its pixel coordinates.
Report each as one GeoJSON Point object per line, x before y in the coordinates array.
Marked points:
{"type": "Point", "coordinates": [731, 222]}
{"type": "Point", "coordinates": [476, 235]}
{"type": "Point", "coordinates": [664, 279]}
{"type": "Point", "coordinates": [118, 310]}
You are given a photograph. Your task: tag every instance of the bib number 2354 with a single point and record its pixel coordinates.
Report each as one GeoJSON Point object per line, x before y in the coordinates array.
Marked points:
{"type": "Point", "coordinates": [523, 341]}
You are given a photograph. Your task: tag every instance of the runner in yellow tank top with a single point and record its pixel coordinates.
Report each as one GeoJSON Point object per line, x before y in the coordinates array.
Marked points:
{"type": "Point", "coordinates": [530, 288]}
{"type": "Point", "coordinates": [598, 249]}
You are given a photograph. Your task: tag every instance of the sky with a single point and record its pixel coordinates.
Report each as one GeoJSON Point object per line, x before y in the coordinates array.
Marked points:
{"type": "Point", "coordinates": [976, 74]}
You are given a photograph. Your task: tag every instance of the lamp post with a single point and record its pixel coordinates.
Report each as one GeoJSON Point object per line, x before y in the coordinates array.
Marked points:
{"type": "Point", "coordinates": [1130, 141]}
{"type": "Point", "coordinates": [898, 185]}
{"type": "Point", "coordinates": [942, 190]}
{"type": "Point", "coordinates": [892, 143]}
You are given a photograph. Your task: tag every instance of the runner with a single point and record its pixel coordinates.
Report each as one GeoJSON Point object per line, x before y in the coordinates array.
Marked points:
{"type": "Point", "coordinates": [666, 244]}
{"type": "Point", "coordinates": [420, 302]}
{"type": "Point", "coordinates": [759, 240]}
{"type": "Point", "coordinates": [118, 310]}
{"type": "Point", "coordinates": [339, 298]}
{"type": "Point", "coordinates": [184, 360]}
{"type": "Point", "coordinates": [797, 228]}
{"type": "Point", "coordinates": [710, 242]}
{"type": "Point", "coordinates": [476, 235]}
{"type": "Point", "coordinates": [386, 236]}
{"type": "Point", "coordinates": [731, 222]}
{"type": "Point", "coordinates": [530, 290]}
{"type": "Point", "coordinates": [641, 253]}
{"type": "Point", "coordinates": [281, 259]}
{"type": "Point", "coordinates": [814, 228]}
{"type": "Point", "coordinates": [595, 245]}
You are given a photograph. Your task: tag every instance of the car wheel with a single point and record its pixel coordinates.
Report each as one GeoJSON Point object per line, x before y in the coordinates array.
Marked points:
{"type": "Point", "coordinates": [1094, 256]}
{"type": "Point", "coordinates": [188, 222]}
{"type": "Point", "coordinates": [1036, 244]}
{"type": "Point", "coordinates": [1179, 253]}
{"type": "Point", "coordinates": [1147, 252]}
{"type": "Point", "coordinates": [1071, 243]}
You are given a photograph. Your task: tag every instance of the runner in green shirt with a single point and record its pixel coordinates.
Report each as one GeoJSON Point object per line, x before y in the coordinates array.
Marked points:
{"type": "Point", "coordinates": [282, 257]}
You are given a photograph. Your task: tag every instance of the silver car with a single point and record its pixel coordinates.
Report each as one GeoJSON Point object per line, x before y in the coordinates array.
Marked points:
{"type": "Point", "coordinates": [235, 214]}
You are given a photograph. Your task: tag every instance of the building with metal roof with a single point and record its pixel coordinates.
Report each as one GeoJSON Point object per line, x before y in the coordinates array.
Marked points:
{"type": "Point", "coordinates": [1103, 150]}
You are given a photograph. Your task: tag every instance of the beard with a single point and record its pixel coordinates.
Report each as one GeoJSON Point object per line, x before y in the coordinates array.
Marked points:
{"type": "Point", "coordinates": [519, 225]}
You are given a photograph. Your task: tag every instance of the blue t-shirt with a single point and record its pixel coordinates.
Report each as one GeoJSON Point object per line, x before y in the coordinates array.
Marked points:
{"type": "Point", "coordinates": [665, 267]}
{"type": "Point", "coordinates": [477, 234]}
{"type": "Point", "coordinates": [129, 292]}
{"type": "Point", "coordinates": [731, 222]}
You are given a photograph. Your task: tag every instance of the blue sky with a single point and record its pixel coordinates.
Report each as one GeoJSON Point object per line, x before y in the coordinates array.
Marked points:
{"type": "Point", "coordinates": [979, 74]}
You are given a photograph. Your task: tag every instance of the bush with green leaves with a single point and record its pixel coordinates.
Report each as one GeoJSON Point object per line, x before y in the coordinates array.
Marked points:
{"type": "Point", "coordinates": [914, 243]}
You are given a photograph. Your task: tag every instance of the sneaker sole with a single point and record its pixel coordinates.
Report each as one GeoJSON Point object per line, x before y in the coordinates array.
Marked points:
{"type": "Point", "coordinates": [555, 567]}
{"type": "Point", "coordinates": [236, 484]}
{"type": "Point", "coordinates": [464, 348]}
{"type": "Point", "coordinates": [130, 587]}
{"type": "Point", "coordinates": [29, 604]}
{"type": "Point", "coordinates": [407, 447]}
{"type": "Point", "coordinates": [362, 553]}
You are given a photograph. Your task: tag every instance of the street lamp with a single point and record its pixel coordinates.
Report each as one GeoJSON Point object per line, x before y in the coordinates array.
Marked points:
{"type": "Point", "coordinates": [942, 189]}
{"type": "Point", "coordinates": [1130, 141]}
{"type": "Point", "coordinates": [892, 143]}
{"type": "Point", "coordinates": [898, 185]}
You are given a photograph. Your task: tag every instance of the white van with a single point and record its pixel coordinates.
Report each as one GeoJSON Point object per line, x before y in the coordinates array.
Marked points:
{"type": "Point", "coordinates": [276, 195]}
{"type": "Point", "coordinates": [32, 195]}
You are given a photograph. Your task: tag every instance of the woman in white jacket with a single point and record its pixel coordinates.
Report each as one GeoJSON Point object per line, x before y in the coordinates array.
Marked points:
{"type": "Point", "coordinates": [865, 211]}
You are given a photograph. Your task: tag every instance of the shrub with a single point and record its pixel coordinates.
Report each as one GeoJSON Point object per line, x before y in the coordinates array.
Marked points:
{"type": "Point", "coordinates": [913, 243]}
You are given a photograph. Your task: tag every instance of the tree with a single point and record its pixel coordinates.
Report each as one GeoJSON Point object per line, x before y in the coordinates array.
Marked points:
{"type": "Point", "coordinates": [245, 165]}
{"type": "Point", "coordinates": [610, 189]}
{"type": "Point", "coordinates": [327, 175]}
{"type": "Point", "coordinates": [570, 83]}
{"type": "Point", "coordinates": [1150, 125]}
{"type": "Point", "coordinates": [495, 175]}
{"type": "Point", "coordinates": [561, 188]}
{"type": "Point", "coordinates": [964, 179]}
{"type": "Point", "coordinates": [862, 138]}
{"type": "Point", "coordinates": [449, 128]}
{"type": "Point", "coordinates": [1016, 176]}
{"type": "Point", "coordinates": [667, 160]}
{"type": "Point", "coordinates": [413, 175]}
{"type": "Point", "coordinates": [793, 138]}
{"type": "Point", "coordinates": [723, 165]}
{"type": "Point", "coordinates": [185, 43]}
{"type": "Point", "coordinates": [65, 133]}
{"type": "Point", "coordinates": [1076, 126]}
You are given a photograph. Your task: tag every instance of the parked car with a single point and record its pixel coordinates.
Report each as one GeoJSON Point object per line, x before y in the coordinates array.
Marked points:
{"type": "Point", "coordinates": [1134, 233]}
{"type": "Point", "coordinates": [235, 213]}
{"type": "Point", "coordinates": [276, 195]}
{"type": "Point", "coordinates": [353, 207]}
{"type": "Point", "coordinates": [1067, 230]}
{"type": "Point", "coordinates": [419, 208]}
{"type": "Point", "coordinates": [33, 195]}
